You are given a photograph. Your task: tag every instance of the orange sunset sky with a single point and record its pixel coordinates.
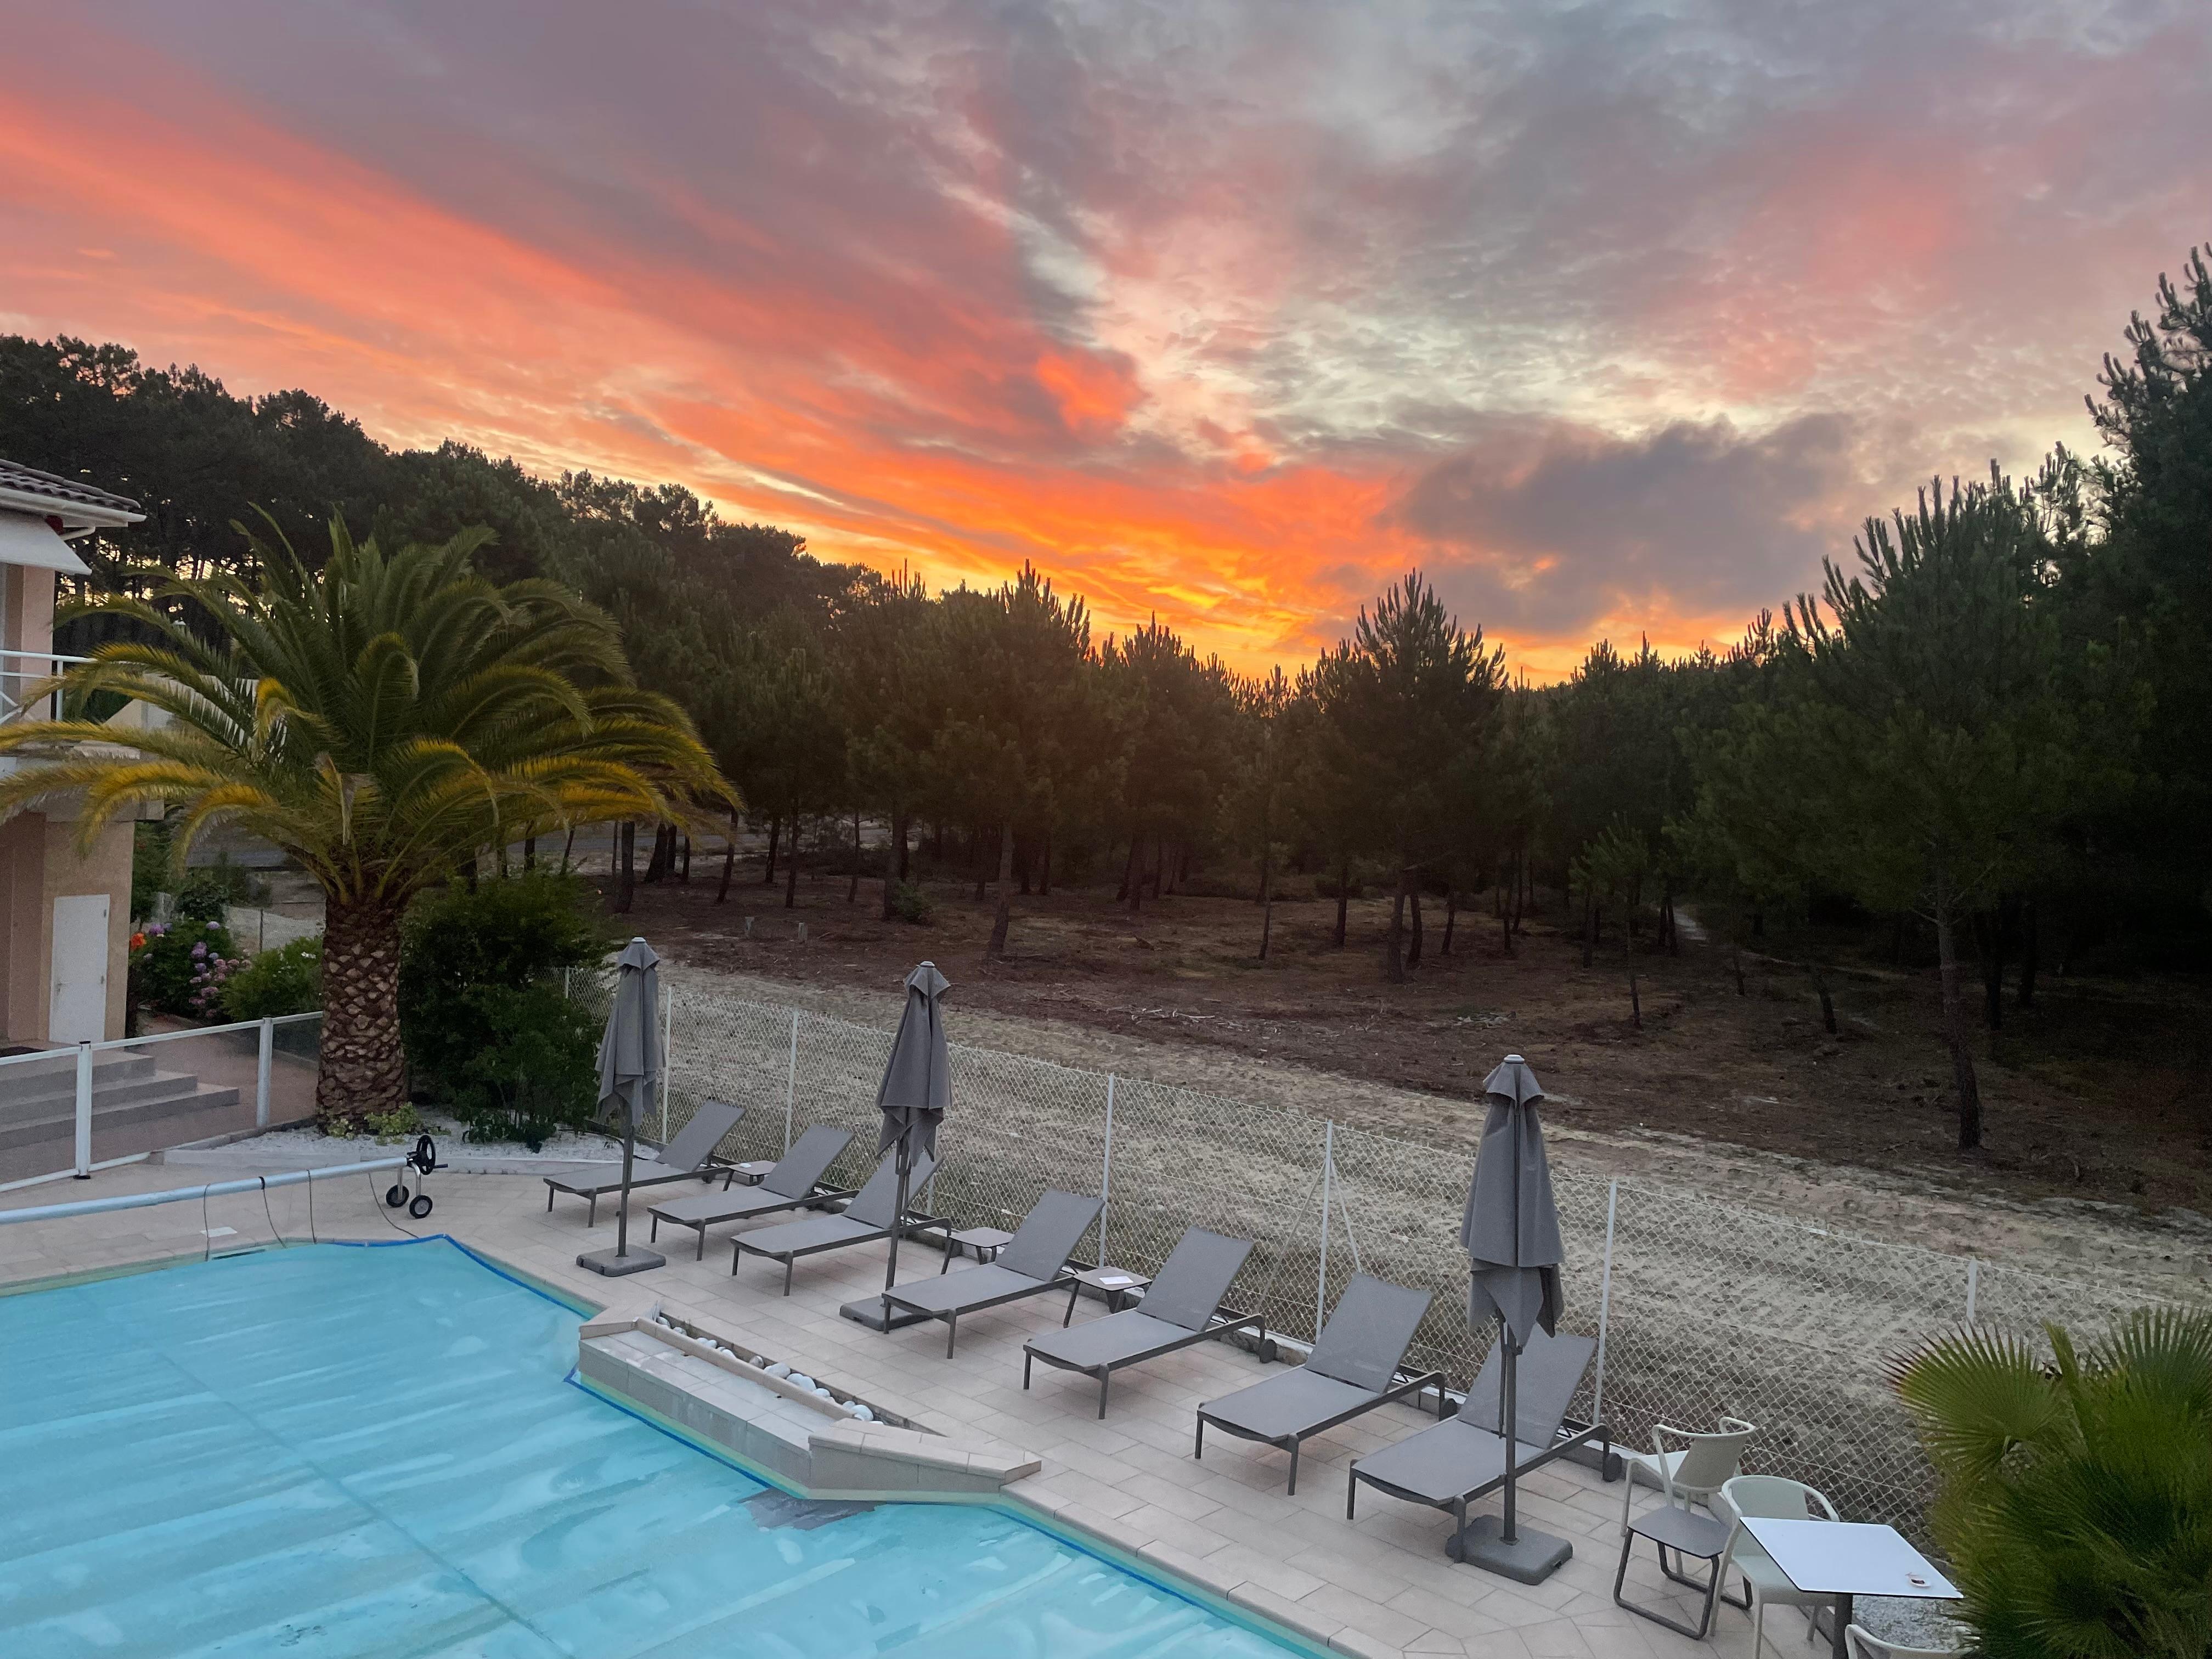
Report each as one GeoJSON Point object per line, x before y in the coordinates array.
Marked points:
{"type": "Point", "coordinates": [1615, 317]}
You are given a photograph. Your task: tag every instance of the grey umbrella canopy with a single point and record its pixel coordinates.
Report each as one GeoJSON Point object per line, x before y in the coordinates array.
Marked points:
{"type": "Point", "coordinates": [1512, 1229]}
{"type": "Point", "coordinates": [629, 1048]}
{"type": "Point", "coordinates": [917, 1086]}
{"type": "Point", "coordinates": [1511, 1235]}
{"type": "Point", "coordinates": [629, 1068]}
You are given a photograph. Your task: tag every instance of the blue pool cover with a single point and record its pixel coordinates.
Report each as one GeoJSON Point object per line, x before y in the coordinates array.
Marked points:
{"type": "Point", "coordinates": [341, 1451]}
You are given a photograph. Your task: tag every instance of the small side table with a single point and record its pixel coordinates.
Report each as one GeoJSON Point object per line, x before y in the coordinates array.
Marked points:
{"type": "Point", "coordinates": [986, 1241]}
{"type": "Point", "coordinates": [1687, 1534]}
{"type": "Point", "coordinates": [1115, 1284]}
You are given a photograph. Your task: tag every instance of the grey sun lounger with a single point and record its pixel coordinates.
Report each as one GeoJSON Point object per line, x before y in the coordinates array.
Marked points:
{"type": "Point", "coordinates": [1183, 1306]}
{"type": "Point", "coordinates": [866, 1219]}
{"type": "Point", "coordinates": [689, 1151]}
{"type": "Point", "coordinates": [1031, 1262]}
{"type": "Point", "coordinates": [1353, 1368]}
{"type": "Point", "coordinates": [793, 1184]}
{"type": "Point", "coordinates": [1459, 1460]}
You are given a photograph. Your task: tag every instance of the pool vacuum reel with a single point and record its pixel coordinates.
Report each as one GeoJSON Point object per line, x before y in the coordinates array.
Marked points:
{"type": "Point", "coordinates": [422, 1160]}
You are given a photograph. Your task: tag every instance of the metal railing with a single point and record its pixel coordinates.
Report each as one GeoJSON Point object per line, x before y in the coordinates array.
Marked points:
{"type": "Point", "coordinates": [15, 680]}
{"type": "Point", "coordinates": [275, 1034]}
{"type": "Point", "coordinates": [1700, 1307]}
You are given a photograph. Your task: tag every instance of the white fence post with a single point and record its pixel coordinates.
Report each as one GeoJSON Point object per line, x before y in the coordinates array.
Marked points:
{"type": "Point", "coordinates": [1605, 1300]}
{"type": "Point", "coordinates": [791, 1083]}
{"type": "Point", "coordinates": [1974, 1283]}
{"type": "Point", "coordinates": [667, 1032]}
{"type": "Point", "coordinates": [1106, 1170]}
{"type": "Point", "coordinates": [1328, 1169]}
{"type": "Point", "coordinates": [84, 1111]}
{"type": "Point", "coordinates": [262, 1066]}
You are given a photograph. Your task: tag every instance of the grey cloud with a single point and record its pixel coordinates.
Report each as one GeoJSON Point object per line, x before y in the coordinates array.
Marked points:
{"type": "Point", "coordinates": [1551, 530]}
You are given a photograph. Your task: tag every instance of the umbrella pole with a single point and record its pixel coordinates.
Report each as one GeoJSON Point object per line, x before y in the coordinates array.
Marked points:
{"type": "Point", "coordinates": [899, 1221]}
{"type": "Point", "coordinates": [622, 1215]}
{"type": "Point", "coordinates": [1508, 1428]}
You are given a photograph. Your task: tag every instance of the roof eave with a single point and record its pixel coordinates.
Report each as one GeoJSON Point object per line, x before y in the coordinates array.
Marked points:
{"type": "Point", "coordinates": [74, 515]}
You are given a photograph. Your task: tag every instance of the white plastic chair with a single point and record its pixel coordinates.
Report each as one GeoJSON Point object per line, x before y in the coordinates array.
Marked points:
{"type": "Point", "coordinates": [1861, 1645]}
{"type": "Point", "coordinates": [1769, 1496]}
{"type": "Point", "coordinates": [1690, 1471]}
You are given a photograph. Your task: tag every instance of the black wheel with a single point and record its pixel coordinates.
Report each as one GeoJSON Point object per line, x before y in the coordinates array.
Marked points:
{"type": "Point", "coordinates": [420, 1207]}
{"type": "Point", "coordinates": [395, 1196]}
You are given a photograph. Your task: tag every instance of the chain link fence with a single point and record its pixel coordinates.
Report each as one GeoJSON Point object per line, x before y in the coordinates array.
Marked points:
{"type": "Point", "coordinates": [1700, 1307]}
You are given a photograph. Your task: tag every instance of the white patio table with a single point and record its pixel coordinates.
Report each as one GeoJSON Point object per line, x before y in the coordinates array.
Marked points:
{"type": "Point", "coordinates": [1843, 1558]}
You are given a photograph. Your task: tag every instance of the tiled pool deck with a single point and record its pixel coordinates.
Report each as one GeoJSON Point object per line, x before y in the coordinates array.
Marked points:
{"type": "Point", "coordinates": [1381, 1585]}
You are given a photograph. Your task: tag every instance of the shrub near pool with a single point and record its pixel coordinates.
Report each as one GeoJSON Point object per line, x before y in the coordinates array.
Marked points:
{"type": "Point", "coordinates": [491, 1032]}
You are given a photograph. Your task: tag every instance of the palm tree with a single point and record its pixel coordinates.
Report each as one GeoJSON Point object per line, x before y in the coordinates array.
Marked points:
{"type": "Point", "coordinates": [379, 721]}
{"type": "Point", "coordinates": [2075, 1501]}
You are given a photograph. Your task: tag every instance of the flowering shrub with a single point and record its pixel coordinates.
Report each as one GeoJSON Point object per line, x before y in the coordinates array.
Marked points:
{"type": "Point", "coordinates": [181, 967]}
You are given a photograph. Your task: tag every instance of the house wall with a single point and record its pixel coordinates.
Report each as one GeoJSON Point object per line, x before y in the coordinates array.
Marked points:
{"type": "Point", "coordinates": [27, 619]}
{"type": "Point", "coordinates": [40, 861]}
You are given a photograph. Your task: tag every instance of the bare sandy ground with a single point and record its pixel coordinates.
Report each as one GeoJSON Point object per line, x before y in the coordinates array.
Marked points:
{"type": "Point", "coordinates": [2167, 1255]}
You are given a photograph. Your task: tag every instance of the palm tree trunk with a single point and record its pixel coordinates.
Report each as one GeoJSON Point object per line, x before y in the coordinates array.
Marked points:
{"type": "Point", "coordinates": [363, 1068]}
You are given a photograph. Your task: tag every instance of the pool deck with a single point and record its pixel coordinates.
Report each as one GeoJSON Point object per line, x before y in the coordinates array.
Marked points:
{"type": "Point", "coordinates": [1377, 1586]}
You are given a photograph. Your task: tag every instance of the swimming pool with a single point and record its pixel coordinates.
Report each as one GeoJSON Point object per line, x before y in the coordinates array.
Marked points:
{"type": "Point", "coordinates": [339, 1450]}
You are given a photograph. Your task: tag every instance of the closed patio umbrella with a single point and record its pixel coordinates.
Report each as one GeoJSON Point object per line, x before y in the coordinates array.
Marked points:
{"type": "Point", "coordinates": [1511, 1235]}
{"type": "Point", "coordinates": [629, 1068]}
{"type": "Point", "coordinates": [917, 1086]}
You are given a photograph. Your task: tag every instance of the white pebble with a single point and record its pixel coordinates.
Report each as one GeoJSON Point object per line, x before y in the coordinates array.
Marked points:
{"type": "Point", "coordinates": [802, 1379]}
{"type": "Point", "coordinates": [779, 1369]}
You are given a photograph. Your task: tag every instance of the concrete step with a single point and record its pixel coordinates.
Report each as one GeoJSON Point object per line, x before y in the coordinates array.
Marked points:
{"type": "Point", "coordinates": [167, 1094]}
{"type": "Point", "coordinates": [105, 1092]}
{"type": "Point", "coordinates": [25, 1080]}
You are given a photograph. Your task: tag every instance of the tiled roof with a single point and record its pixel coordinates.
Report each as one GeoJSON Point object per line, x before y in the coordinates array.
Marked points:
{"type": "Point", "coordinates": [29, 481]}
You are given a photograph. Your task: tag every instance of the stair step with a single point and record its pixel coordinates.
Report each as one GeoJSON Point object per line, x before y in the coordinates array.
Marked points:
{"type": "Point", "coordinates": [180, 1096]}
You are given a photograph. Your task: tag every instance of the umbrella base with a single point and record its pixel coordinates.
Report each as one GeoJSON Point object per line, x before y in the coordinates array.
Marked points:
{"type": "Point", "coordinates": [614, 1267]}
{"type": "Point", "coordinates": [1530, 1559]}
{"type": "Point", "coordinates": [869, 1311]}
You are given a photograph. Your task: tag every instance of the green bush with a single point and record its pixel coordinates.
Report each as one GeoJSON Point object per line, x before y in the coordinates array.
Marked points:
{"type": "Point", "coordinates": [288, 979]}
{"type": "Point", "coordinates": [206, 894]}
{"type": "Point", "coordinates": [490, 1032]}
{"type": "Point", "coordinates": [910, 903]}
{"type": "Point", "coordinates": [182, 967]}
{"type": "Point", "coordinates": [149, 867]}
